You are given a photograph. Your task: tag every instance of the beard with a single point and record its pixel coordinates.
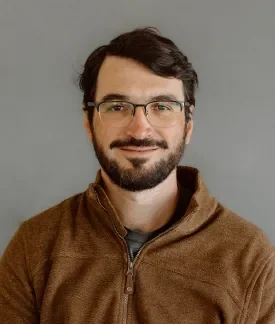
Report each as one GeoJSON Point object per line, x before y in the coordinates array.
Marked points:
{"type": "Point", "coordinates": [139, 177]}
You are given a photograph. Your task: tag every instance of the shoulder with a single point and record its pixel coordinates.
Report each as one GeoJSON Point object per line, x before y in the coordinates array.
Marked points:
{"type": "Point", "coordinates": [242, 231]}
{"type": "Point", "coordinates": [246, 246]}
{"type": "Point", "coordinates": [52, 214]}
{"type": "Point", "coordinates": [40, 233]}
{"type": "Point", "coordinates": [47, 222]}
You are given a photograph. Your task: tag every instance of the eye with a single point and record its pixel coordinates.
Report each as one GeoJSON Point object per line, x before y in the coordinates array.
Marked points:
{"type": "Point", "coordinates": [116, 107]}
{"type": "Point", "coordinates": [163, 107]}
{"type": "Point", "coordinates": [158, 106]}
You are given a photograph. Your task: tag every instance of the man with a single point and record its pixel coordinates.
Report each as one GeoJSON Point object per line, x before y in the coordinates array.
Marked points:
{"type": "Point", "coordinates": [146, 242]}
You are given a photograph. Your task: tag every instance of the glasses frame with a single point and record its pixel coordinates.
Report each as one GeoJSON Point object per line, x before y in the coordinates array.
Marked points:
{"type": "Point", "coordinates": [183, 104]}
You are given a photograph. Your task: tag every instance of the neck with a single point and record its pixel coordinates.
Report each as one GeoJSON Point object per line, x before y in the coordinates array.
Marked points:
{"type": "Point", "coordinates": [144, 211]}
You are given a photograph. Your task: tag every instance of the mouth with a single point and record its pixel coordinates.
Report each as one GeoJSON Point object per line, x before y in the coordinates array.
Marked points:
{"type": "Point", "coordinates": [138, 150]}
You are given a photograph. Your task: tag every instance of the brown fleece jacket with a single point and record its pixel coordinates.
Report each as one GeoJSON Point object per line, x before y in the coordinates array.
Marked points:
{"type": "Point", "coordinates": [70, 264]}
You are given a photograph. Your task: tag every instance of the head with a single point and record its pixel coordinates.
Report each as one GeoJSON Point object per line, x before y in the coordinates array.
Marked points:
{"type": "Point", "coordinates": [139, 67]}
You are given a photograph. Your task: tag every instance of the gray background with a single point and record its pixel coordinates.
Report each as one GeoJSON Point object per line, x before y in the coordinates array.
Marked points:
{"type": "Point", "coordinates": [45, 155]}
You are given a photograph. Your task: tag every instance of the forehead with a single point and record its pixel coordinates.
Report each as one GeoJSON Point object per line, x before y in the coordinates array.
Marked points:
{"type": "Point", "coordinates": [128, 77]}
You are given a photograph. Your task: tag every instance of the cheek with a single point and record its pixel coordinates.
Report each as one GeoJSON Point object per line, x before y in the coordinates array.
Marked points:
{"type": "Point", "coordinates": [174, 135]}
{"type": "Point", "coordinates": [106, 136]}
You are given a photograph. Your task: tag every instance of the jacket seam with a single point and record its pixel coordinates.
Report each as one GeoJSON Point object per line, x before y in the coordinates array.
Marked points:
{"type": "Point", "coordinates": [251, 284]}
{"type": "Point", "coordinates": [234, 298]}
{"type": "Point", "coordinates": [27, 260]}
{"type": "Point", "coordinates": [84, 257]}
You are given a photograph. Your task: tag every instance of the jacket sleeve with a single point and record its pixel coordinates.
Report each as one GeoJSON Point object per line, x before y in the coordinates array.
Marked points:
{"type": "Point", "coordinates": [260, 308]}
{"type": "Point", "coordinates": [17, 300]}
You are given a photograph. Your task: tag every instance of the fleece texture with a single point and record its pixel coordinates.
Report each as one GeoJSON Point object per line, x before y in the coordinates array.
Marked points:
{"type": "Point", "coordinates": [70, 264]}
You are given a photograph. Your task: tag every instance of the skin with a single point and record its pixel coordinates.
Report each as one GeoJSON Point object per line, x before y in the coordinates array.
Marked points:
{"type": "Point", "coordinates": [141, 209]}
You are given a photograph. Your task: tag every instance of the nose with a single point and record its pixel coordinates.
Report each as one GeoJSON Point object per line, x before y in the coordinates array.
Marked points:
{"type": "Point", "coordinates": [139, 126]}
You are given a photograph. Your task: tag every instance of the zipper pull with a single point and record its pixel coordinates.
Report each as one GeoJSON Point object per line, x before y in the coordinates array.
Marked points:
{"type": "Point", "coordinates": [129, 280]}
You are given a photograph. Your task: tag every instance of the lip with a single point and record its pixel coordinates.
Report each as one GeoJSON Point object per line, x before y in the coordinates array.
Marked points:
{"type": "Point", "coordinates": [140, 150]}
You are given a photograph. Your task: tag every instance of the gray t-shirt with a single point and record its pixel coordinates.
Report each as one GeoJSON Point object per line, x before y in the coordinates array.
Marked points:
{"type": "Point", "coordinates": [135, 240]}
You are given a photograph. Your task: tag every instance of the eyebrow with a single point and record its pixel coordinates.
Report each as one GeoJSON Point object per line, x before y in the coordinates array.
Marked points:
{"type": "Point", "coordinates": [118, 96]}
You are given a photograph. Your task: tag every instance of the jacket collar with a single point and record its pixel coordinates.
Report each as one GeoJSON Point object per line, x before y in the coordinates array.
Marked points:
{"type": "Point", "coordinates": [201, 208]}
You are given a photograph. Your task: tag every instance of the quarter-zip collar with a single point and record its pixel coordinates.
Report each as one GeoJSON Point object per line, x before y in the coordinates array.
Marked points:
{"type": "Point", "coordinates": [201, 207]}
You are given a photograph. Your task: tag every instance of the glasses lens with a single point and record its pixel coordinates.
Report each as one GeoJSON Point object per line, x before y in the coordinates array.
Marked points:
{"type": "Point", "coordinates": [116, 113]}
{"type": "Point", "coordinates": [163, 114]}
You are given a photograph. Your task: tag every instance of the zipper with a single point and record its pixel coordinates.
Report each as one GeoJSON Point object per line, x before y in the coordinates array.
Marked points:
{"type": "Point", "coordinates": [129, 286]}
{"type": "Point", "coordinates": [163, 233]}
{"type": "Point", "coordinates": [129, 289]}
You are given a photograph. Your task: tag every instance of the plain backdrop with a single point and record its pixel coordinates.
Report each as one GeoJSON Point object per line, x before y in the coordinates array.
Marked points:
{"type": "Point", "coordinates": [45, 154]}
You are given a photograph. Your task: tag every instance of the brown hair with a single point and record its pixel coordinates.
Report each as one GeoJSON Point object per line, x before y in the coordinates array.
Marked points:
{"type": "Point", "coordinates": [149, 48]}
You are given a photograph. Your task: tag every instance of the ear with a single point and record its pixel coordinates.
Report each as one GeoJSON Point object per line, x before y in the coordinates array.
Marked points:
{"type": "Point", "coordinates": [87, 127]}
{"type": "Point", "coordinates": [190, 126]}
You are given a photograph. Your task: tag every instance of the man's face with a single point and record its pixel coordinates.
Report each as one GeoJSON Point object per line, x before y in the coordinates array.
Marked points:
{"type": "Point", "coordinates": [117, 147]}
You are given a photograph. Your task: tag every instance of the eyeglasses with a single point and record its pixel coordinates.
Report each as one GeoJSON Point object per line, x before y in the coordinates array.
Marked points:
{"type": "Point", "coordinates": [159, 113]}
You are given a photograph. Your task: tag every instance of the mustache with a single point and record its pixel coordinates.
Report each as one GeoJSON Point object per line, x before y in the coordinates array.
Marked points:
{"type": "Point", "coordinates": [139, 143]}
